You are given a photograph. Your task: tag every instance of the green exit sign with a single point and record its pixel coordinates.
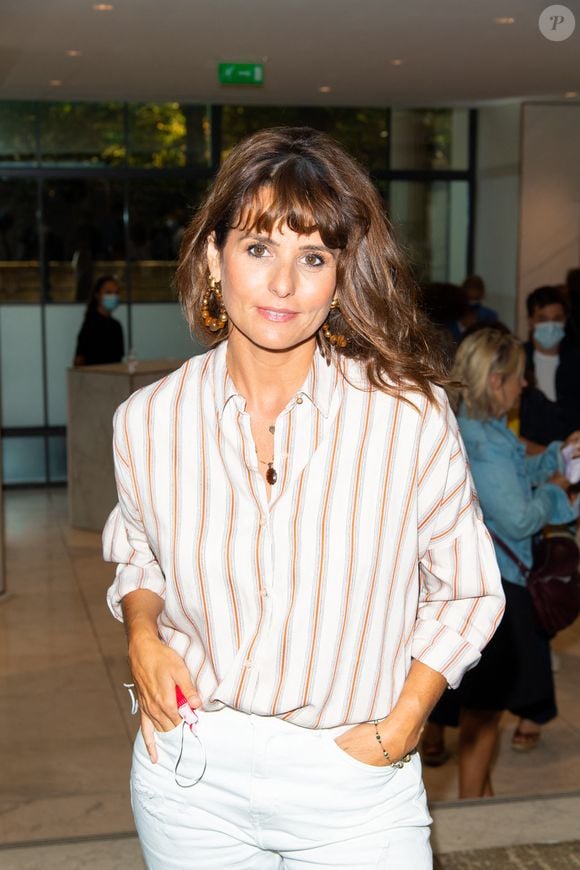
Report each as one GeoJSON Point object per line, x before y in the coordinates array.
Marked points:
{"type": "Point", "coordinates": [241, 73]}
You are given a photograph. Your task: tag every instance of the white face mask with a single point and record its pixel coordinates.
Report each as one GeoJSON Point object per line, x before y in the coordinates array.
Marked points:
{"type": "Point", "coordinates": [549, 334]}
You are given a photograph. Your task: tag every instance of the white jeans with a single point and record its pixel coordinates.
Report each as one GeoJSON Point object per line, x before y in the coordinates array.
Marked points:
{"type": "Point", "coordinates": [274, 795]}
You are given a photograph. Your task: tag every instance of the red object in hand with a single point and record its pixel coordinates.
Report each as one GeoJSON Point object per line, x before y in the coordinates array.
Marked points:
{"type": "Point", "coordinates": [184, 709]}
{"type": "Point", "coordinates": [180, 697]}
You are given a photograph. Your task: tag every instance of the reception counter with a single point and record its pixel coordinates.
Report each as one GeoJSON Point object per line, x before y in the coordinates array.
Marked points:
{"type": "Point", "coordinates": [94, 392]}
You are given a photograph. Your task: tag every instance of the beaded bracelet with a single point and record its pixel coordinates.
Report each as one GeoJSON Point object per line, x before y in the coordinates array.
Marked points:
{"type": "Point", "coordinates": [406, 758]}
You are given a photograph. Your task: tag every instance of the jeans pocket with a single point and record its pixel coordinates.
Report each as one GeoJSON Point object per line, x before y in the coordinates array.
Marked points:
{"type": "Point", "coordinates": [169, 735]}
{"type": "Point", "coordinates": [383, 771]}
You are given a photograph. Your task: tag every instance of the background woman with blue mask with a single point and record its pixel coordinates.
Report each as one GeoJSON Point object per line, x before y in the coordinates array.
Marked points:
{"type": "Point", "coordinates": [550, 407]}
{"type": "Point", "coordinates": [100, 339]}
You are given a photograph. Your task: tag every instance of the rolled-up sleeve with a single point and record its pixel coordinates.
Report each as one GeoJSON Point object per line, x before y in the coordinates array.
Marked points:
{"type": "Point", "coordinates": [461, 600]}
{"type": "Point", "coordinates": [125, 540]}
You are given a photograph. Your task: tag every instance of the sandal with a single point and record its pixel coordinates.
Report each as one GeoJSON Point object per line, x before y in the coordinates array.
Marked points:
{"type": "Point", "coordinates": [523, 741]}
{"type": "Point", "coordinates": [434, 754]}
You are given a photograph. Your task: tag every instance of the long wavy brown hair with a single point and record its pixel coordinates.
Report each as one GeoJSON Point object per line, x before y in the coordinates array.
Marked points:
{"type": "Point", "coordinates": [313, 185]}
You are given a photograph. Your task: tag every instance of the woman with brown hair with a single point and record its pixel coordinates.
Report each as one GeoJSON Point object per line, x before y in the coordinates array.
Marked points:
{"type": "Point", "coordinates": [300, 549]}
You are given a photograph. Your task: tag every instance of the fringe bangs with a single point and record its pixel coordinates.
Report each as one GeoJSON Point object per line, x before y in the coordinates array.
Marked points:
{"type": "Point", "coordinates": [295, 196]}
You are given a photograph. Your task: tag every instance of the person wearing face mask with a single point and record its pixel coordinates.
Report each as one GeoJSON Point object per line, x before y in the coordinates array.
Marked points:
{"type": "Point", "coordinates": [550, 406]}
{"type": "Point", "coordinates": [100, 339]}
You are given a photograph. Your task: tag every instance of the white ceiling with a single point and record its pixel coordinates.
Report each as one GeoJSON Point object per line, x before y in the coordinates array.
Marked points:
{"type": "Point", "coordinates": [453, 52]}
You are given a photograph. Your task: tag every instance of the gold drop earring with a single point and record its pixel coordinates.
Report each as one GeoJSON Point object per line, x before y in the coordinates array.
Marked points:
{"type": "Point", "coordinates": [335, 338]}
{"type": "Point", "coordinates": [212, 300]}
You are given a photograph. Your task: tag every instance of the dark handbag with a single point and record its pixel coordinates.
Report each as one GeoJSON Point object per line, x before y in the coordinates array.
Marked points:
{"type": "Point", "coordinates": [553, 580]}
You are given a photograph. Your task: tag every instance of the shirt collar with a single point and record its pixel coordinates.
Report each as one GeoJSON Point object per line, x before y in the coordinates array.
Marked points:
{"type": "Point", "coordinates": [319, 386]}
{"type": "Point", "coordinates": [320, 383]}
{"type": "Point", "coordinates": [224, 388]}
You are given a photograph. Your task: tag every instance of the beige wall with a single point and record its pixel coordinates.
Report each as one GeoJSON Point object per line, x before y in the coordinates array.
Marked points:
{"type": "Point", "coordinates": [550, 197]}
{"type": "Point", "coordinates": [497, 213]}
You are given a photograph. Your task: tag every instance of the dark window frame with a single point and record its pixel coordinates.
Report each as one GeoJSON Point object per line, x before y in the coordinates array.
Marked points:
{"type": "Point", "coordinates": [125, 174]}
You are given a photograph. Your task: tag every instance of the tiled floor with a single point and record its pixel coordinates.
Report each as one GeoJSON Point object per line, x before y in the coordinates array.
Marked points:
{"type": "Point", "coordinates": [556, 856]}
{"type": "Point", "coordinates": [65, 733]}
{"type": "Point", "coordinates": [105, 853]}
{"type": "Point", "coordinates": [65, 726]}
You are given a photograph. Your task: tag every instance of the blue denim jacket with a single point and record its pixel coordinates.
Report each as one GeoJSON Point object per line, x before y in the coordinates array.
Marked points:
{"type": "Point", "coordinates": [515, 499]}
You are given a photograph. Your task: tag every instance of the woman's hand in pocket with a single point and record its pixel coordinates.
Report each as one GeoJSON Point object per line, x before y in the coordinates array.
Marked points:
{"type": "Point", "coordinates": [361, 742]}
{"type": "Point", "coordinates": [156, 670]}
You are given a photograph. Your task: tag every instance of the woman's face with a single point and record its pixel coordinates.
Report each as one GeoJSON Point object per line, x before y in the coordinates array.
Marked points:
{"type": "Point", "coordinates": [507, 391]}
{"type": "Point", "coordinates": [108, 296]}
{"type": "Point", "coordinates": [276, 288]}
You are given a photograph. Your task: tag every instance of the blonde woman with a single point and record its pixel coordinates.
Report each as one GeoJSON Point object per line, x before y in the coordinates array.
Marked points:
{"type": "Point", "coordinates": [299, 545]}
{"type": "Point", "coordinates": [519, 495]}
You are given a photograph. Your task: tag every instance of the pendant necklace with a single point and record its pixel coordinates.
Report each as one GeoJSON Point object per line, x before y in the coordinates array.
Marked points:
{"type": "Point", "coordinates": [271, 473]}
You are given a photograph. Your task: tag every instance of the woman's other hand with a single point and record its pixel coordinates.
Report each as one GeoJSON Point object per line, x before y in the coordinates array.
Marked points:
{"type": "Point", "coordinates": [573, 440]}
{"type": "Point", "coordinates": [156, 670]}
{"type": "Point", "coordinates": [361, 742]}
{"type": "Point", "coordinates": [401, 731]}
{"type": "Point", "coordinates": [559, 479]}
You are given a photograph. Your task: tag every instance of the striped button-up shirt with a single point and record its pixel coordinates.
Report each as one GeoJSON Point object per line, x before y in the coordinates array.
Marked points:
{"type": "Point", "coordinates": [307, 603]}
